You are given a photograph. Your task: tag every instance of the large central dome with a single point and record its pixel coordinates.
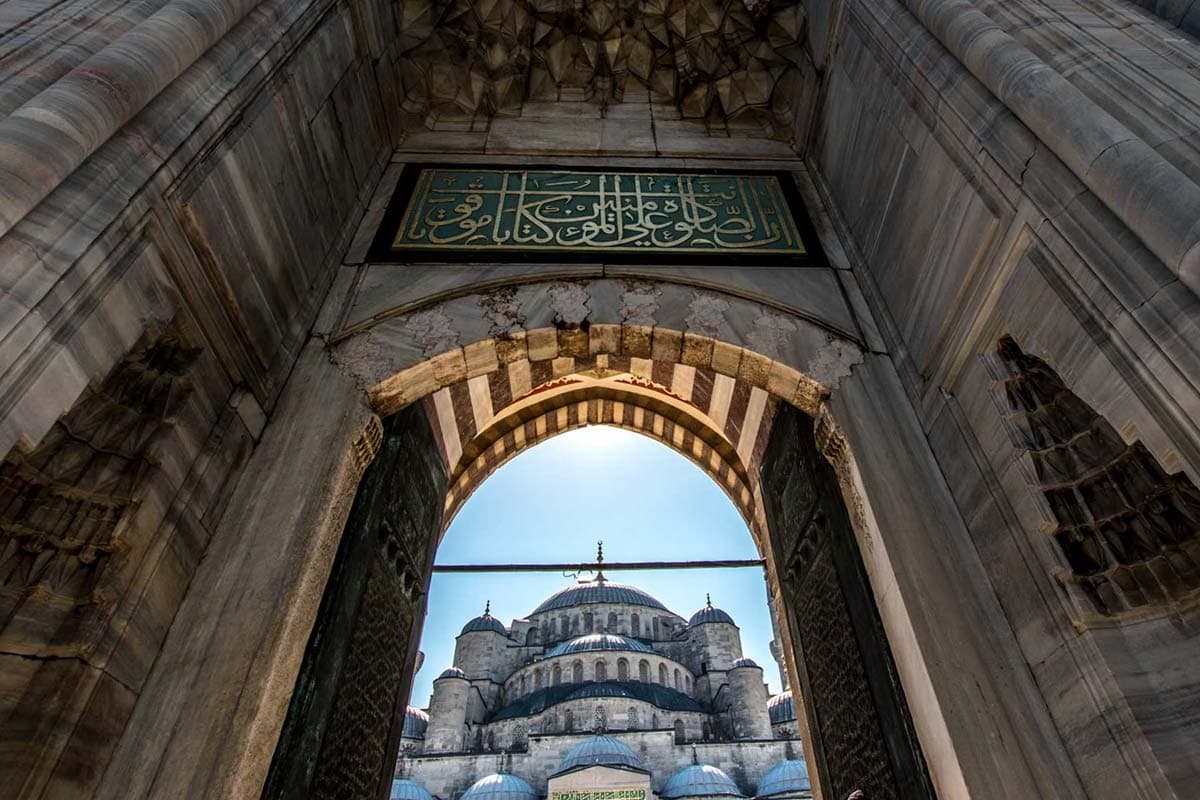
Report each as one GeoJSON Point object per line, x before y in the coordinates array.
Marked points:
{"type": "Point", "coordinates": [598, 592]}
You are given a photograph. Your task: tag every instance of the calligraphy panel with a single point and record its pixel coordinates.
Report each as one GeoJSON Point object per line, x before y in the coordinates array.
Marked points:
{"type": "Point", "coordinates": [486, 212]}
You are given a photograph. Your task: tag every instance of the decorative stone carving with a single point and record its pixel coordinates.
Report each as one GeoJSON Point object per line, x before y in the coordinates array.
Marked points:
{"type": "Point", "coordinates": [62, 504]}
{"type": "Point", "coordinates": [832, 444]}
{"type": "Point", "coordinates": [1129, 532]}
{"type": "Point", "coordinates": [717, 60]}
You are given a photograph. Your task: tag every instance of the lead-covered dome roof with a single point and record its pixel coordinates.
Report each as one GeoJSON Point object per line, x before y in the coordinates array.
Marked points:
{"type": "Point", "coordinates": [598, 641]}
{"type": "Point", "coordinates": [408, 790]}
{"type": "Point", "coordinates": [784, 778]}
{"type": "Point", "coordinates": [600, 749]}
{"type": "Point", "coordinates": [484, 622]}
{"type": "Point", "coordinates": [598, 592]}
{"type": "Point", "coordinates": [500, 787]}
{"type": "Point", "coordinates": [746, 662]}
{"type": "Point", "coordinates": [710, 614]}
{"type": "Point", "coordinates": [780, 708]}
{"type": "Point", "coordinates": [700, 780]}
{"type": "Point", "coordinates": [452, 672]}
{"type": "Point", "coordinates": [415, 723]}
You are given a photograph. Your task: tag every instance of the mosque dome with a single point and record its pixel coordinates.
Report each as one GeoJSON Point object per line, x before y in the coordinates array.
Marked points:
{"type": "Point", "coordinates": [746, 662]}
{"type": "Point", "coordinates": [500, 787]}
{"type": "Point", "coordinates": [598, 641]}
{"type": "Point", "coordinates": [710, 614]}
{"type": "Point", "coordinates": [408, 790]}
{"type": "Point", "coordinates": [598, 591]}
{"type": "Point", "coordinates": [415, 723]}
{"type": "Point", "coordinates": [784, 778]}
{"type": "Point", "coordinates": [485, 622]}
{"type": "Point", "coordinates": [700, 780]}
{"type": "Point", "coordinates": [600, 750]}
{"type": "Point", "coordinates": [452, 672]}
{"type": "Point", "coordinates": [781, 708]}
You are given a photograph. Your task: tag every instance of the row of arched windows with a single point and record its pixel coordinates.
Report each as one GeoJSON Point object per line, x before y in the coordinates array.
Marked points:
{"type": "Point", "coordinates": [599, 722]}
{"type": "Point", "coordinates": [555, 675]}
{"type": "Point", "coordinates": [557, 628]}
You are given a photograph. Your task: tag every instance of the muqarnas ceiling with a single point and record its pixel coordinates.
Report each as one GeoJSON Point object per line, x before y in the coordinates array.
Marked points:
{"type": "Point", "coordinates": [721, 61]}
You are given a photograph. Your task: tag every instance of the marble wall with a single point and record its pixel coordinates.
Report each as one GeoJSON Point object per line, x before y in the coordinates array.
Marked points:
{"type": "Point", "coordinates": [975, 169]}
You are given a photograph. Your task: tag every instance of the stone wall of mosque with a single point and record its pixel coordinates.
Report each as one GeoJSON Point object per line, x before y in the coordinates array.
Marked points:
{"type": "Point", "coordinates": [447, 777]}
{"type": "Point", "coordinates": [598, 666]}
{"type": "Point", "coordinates": [614, 714]}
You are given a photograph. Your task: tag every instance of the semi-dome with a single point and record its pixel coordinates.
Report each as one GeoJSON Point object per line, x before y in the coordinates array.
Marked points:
{"type": "Point", "coordinates": [785, 777]}
{"type": "Point", "coordinates": [600, 750]}
{"type": "Point", "coordinates": [415, 723]}
{"type": "Point", "coordinates": [452, 672]}
{"type": "Point", "coordinates": [746, 662]}
{"type": "Point", "coordinates": [781, 708]}
{"type": "Point", "coordinates": [500, 787]}
{"type": "Point", "coordinates": [403, 789]}
{"type": "Point", "coordinates": [710, 614]}
{"type": "Point", "coordinates": [700, 780]}
{"type": "Point", "coordinates": [598, 641]}
{"type": "Point", "coordinates": [599, 591]}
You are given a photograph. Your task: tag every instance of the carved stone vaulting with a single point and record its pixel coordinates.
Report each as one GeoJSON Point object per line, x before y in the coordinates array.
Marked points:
{"type": "Point", "coordinates": [723, 61]}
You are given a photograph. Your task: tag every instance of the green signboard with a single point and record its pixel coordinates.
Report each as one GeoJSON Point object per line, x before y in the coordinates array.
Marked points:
{"type": "Point", "coordinates": [600, 794]}
{"type": "Point", "coordinates": [493, 211]}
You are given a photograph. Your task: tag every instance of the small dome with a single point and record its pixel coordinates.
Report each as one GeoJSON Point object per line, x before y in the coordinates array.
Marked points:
{"type": "Point", "coordinates": [452, 672]}
{"type": "Point", "coordinates": [415, 723]}
{"type": "Point", "coordinates": [500, 787]}
{"type": "Point", "coordinates": [408, 790]}
{"type": "Point", "coordinates": [746, 662]}
{"type": "Point", "coordinates": [598, 641]}
{"type": "Point", "coordinates": [485, 622]}
{"type": "Point", "coordinates": [600, 750]}
{"type": "Point", "coordinates": [700, 780]}
{"type": "Point", "coordinates": [784, 778]}
{"type": "Point", "coordinates": [781, 708]}
{"type": "Point", "coordinates": [599, 591]}
{"type": "Point", "coordinates": [710, 614]}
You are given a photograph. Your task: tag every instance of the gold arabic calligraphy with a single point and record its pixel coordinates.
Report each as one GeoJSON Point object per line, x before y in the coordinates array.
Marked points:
{"type": "Point", "coordinates": [630, 211]}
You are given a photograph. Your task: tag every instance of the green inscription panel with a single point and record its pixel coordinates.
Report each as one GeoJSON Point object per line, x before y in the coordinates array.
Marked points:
{"type": "Point", "coordinates": [633, 212]}
{"type": "Point", "coordinates": [601, 794]}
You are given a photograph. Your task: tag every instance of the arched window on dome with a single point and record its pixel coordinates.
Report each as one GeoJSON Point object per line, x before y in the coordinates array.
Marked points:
{"type": "Point", "coordinates": [569, 721]}
{"type": "Point", "coordinates": [654, 721]}
{"type": "Point", "coordinates": [622, 669]}
{"type": "Point", "coordinates": [678, 681]}
{"type": "Point", "coordinates": [587, 622]}
{"type": "Point", "coordinates": [524, 684]}
{"type": "Point", "coordinates": [612, 622]}
{"type": "Point", "coordinates": [533, 637]}
{"type": "Point", "coordinates": [631, 718]}
{"type": "Point", "coordinates": [537, 679]}
{"type": "Point", "coordinates": [655, 627]}
{"type": "Point", "coordinates": [564, 626]}
{"type": "Point", "coordinates": [687, 683]}
{"type": "Point", "coordinates": [635, 625]}
{"type": "Point", "coordinates": [601, 670]}
{"type": "Point", "coordinates": [520, 740]}
{"type": "Point", "coordinates": [644, 671]}
{"type": "Point", "coordinates": [680, 734]}
{"type": "Point", "coordinates": [577, 672]}
{"type": "Point", "coordinates": [547, 630]}
{"type": "Point", "coordinates": [705, 731]}
{"type": "Point", "coordinates": [662, 675]}
{"type": "Point", "coordinates": [600, 720]}
{"type": "Point", "coordinates": [556, 675]}
{"type": "Point", "coordinates": [550, 722]}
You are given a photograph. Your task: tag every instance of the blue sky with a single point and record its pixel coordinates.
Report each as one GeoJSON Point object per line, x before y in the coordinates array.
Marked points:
{"type": "Point", "coordinates": [554, 501]}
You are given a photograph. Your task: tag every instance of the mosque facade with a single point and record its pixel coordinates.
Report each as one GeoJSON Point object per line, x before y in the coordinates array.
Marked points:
{"type": "Point", "coordinates": [601, 692]}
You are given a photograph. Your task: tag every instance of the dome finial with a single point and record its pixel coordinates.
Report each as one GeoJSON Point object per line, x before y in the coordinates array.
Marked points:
{"type": "Point", "coordinates": [487, 608]}
{"type": "Point", "coordinates": [599, 561]}
{"type": "Point", "coordinates": [708, 601]}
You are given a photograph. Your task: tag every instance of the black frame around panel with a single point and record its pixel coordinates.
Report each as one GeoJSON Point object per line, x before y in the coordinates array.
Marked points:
{"type": "Point", "coordinates": [381, 251]}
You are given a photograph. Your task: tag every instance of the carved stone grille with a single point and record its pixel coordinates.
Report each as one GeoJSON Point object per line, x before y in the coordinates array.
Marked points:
{"type": "Point", "coordinates": [716, 60]}
{"type": "Point", "coordinates": [1129, 532]}
{"type": "Point", "coordinates": [62, 504]}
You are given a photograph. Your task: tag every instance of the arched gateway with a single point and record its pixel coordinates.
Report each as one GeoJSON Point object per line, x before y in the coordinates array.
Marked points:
{"type": "Point", "coordinates": [914, 282]}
